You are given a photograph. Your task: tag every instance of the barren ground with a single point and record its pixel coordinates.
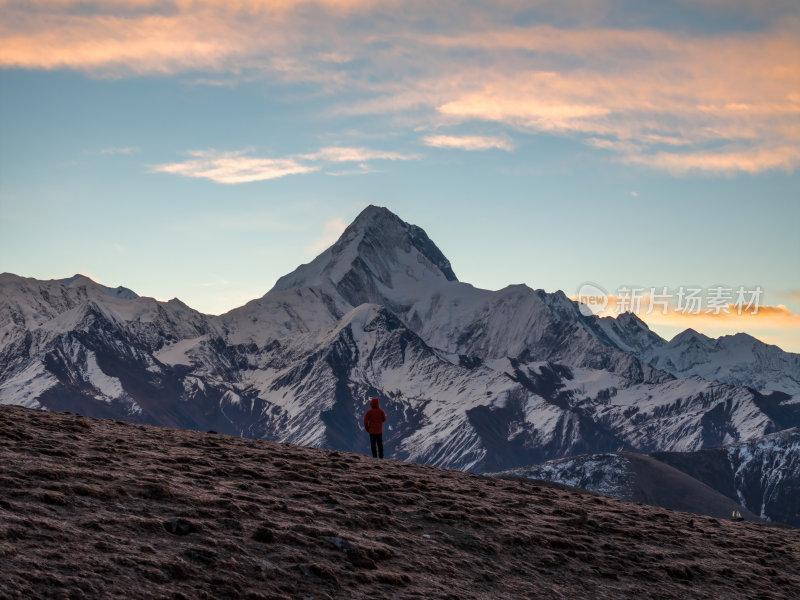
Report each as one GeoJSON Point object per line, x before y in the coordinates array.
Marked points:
{"type": "Point", "coordinates": [104, 509]}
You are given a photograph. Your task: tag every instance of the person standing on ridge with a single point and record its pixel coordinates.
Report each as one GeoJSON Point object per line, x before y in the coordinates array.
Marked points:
{"type": "Point", "coordinates": [373, 423]}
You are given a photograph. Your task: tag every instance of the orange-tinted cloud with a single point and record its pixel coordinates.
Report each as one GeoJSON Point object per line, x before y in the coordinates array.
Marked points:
{"type": "Point", "coordinates": [756, 160]}
{"type": "Point", "coordinates": [770, 317]}
{"type": "Point", "coordinates": [684, 103]}
{"type": "Point", "coordinates": [665, 305]}
{"type": "Point", "coordinates": [121, 37]}
{"type": "Point", "coordinates": [790, 295]}
{"type": "Point", "coordinates": [250, 6]}
{"type": "Point", "coordinates": [772, 325]}
{"type": "Point", "coordinates": [719, 104]}
{"type": "Point", "coordinates": [775, 324]}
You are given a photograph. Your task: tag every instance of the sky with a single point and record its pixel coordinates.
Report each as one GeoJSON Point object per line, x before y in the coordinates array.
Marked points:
{"type": "Point", "coordinates": [201, 150]}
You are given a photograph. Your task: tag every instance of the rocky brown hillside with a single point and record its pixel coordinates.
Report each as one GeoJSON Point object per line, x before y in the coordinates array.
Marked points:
{"type": "Point", "coordinates": [105, 509]}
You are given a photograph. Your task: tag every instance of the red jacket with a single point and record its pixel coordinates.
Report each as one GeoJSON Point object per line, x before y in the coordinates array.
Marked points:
{"type": "Point", "coordinates": [373, 420]}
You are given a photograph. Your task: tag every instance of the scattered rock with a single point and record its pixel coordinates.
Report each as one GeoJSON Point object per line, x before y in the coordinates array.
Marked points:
{"type": "Point", "coordinates": [339, 543]}
{"type": "Point", "coordinates": [359, 559]}
{"type": "Point", "coordinates": [156, 491]}
{"type": "Point", "coordinates": [264, 534]}
{"type": "Point", "coordinates": [180, 526]}
{"type": "Point", "coordinates": [204, 556]}
{"type": "Point", "coordinates": [54, 498]}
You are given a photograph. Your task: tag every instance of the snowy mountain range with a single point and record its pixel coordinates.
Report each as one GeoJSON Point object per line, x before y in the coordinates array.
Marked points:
{"type": "Point", "coordinates": [761, 474]}
{"type": "Point", "coordinates": [470, 379]}
{"type": "Point", "coordinates": [760, 478]}
{"type": "Point", "coordinates": [737, 359]}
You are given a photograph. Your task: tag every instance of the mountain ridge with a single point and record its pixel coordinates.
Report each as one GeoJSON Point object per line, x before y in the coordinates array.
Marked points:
{"type": "Point", "coordinates": [473, 379]}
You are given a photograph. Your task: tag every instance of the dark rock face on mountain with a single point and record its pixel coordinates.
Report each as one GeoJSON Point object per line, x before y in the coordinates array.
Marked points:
{"type": "Point", "coordinates": [471, 379]}
{"type": "Point", "coordinates": [102, 508]}
{"type": "Point", "coordinates": [763, 474]}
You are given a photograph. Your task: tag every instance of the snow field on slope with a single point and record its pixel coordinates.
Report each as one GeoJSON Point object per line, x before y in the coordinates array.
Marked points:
{"type": "Point", "coordinates": [110, 388]}
{"type": "Point", "coordinates": [778, 459]}
{"type": "Point", "coordinates": [509, 319]}
{"type": "Point", "coordinates": [666, 415]}
{"type": "Point", "coordinates": [179, 353]}
{"type": "Point", "coordinates": [291, 313]}
{"type": "Point", "coordinates": [614, 472]}
{"type": "Point", "coordinates": [24, 387]}
{"type": "Point", "coordinates": [588, 383]}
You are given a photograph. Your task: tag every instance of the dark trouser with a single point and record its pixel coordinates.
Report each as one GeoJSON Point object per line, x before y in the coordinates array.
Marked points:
{"type": "Point", "coordinates": [376, 443]}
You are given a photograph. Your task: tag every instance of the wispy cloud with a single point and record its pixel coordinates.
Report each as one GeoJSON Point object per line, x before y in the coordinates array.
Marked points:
{"type": "Point", "coordinates": [119, 38]}
{"type": "Point", "coordinates": [676, 100]}
{"type": "Point", "coordinates": [338, 154]}
{"type": "Point", "coordinates": [673, 102]}
{"type": "Point", "coordinates": [790, 295]}
{"type": "Point", "coordinates": [362, 169]}
{"type": "Point", "coordinates": [237, 222]}
{"type": "Point", "coordinates": [239, 167]}
{"type": "Point", "coordinates": [233, 167]}
{"type": "Point", "coordinates": [330, 233]}
{"type": "Point", "coordinates": [468, 142]}
{"type": "Point", "coordinates": [126, 150]}
{"type": "Point", "coordinates": [753, 160]}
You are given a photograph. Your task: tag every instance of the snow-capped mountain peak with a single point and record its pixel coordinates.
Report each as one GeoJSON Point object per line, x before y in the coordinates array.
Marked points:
{"type": "Point", "coordinates": [738, 359]}
{"type": "Point", "coordinates": [79, 280]}
{"type": "Point", "coordinates": [626, 332]}
{"type": "Point", "coordinates": [379, 259]}
{"type": "Point", "coordinates": [54, 307]}
{"type": "Point", "coordinates": [690, 336]}
{"type": "Point", "coordinates": [377, 249]}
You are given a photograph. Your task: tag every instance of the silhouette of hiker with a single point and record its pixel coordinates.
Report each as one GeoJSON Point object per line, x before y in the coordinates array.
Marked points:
{"type": "Point", "coordinates": [373, 423]}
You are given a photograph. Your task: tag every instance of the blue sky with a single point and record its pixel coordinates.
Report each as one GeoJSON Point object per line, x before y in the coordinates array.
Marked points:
{"type": "Point", "coordinates": [201, 150]}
